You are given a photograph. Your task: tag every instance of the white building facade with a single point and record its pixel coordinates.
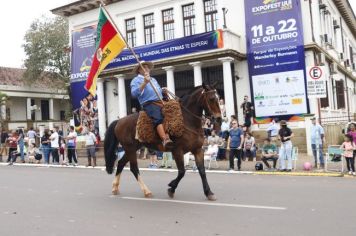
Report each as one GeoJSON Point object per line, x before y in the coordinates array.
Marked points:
{"type": "Point", "coordinates": [329, 39]}
{"type": "Point", "coordinates": [38, 105]}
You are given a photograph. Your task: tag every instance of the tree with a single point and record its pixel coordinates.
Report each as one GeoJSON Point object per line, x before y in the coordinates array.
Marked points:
{"type": "Point", "coordinates": [46, 48]}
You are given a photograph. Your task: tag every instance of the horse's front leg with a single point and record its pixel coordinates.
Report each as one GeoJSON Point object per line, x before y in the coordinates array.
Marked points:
{"type": "Point", "coordinates": [178, 157]}
{"type": "Point", "coordinates": [199, 161]}
{"type": "Point", "coordinates": [135, 171]}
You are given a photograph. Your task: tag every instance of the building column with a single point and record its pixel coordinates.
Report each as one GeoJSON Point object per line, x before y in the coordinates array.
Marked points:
{"type": "Point", "coordinates": [101, 108]}
{"type": "Point", "coordinates": [3, 109]}
{"type": "Point", "coordinates": [121, 95]}
{"type": "Point", "coordinates": [51, 113]}
{"type": "Point", "coordinates": [28, 109]}
{"type": "Point", "coordinates": [170, 78]}
{"type": "Point", "coordinates": [198, 78]}
{"type": "Point", "coordinates": [229, 94]}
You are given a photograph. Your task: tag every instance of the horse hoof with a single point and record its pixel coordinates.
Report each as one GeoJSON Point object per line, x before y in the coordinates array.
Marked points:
{"type": "Point", "coordinates": [170, 193]}
{"type": "Point", "coordinates": [148, 195]}
{"type": "Point", "coordinates": [115, 192]}
{"type": "Point", "coordinates": [211, 197]}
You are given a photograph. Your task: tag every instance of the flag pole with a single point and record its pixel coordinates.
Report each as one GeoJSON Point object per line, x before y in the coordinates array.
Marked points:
{"type": "Point", "coordinates": [130, 48]}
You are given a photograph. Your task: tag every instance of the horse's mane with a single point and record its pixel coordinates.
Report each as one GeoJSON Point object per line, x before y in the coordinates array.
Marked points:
{"type": "Point", "coordinates": [188, 94]}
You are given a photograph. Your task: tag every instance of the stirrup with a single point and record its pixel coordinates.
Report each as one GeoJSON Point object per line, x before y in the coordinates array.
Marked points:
{"type": "Point", "coordinates": [168, 143]}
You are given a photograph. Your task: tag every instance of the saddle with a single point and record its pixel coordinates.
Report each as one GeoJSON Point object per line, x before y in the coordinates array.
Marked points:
{"type": "Point", "coordinates": [172, 123]}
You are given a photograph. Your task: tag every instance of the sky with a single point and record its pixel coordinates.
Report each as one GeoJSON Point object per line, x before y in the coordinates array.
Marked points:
{"type": "Point", "coordinates": [15, 21]}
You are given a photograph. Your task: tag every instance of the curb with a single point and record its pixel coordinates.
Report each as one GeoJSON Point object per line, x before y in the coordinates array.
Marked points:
{"type": "Point", "coordinates": [325, 174]}
{"type": "Point", "coordinates": [102, 168]}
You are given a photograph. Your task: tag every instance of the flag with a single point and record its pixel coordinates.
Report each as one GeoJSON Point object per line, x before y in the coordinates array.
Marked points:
{"type": "Point", "coordinates": [108, 45]}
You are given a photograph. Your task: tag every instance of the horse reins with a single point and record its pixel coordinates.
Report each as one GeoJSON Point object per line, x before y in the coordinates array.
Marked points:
{"type": "Point", "coordinates": [187, 110]}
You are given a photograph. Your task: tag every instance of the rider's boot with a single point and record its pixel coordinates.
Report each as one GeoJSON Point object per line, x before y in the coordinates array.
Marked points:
{"type": "Point", "coordinates": [167, 142]}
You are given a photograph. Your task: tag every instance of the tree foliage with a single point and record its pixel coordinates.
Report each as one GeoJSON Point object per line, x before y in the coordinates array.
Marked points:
{"type": "Point", "coordinates": [46, 48]}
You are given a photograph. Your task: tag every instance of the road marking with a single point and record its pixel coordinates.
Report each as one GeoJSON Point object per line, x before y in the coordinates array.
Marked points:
{"type": "Point", "coordinates": [205, 203]}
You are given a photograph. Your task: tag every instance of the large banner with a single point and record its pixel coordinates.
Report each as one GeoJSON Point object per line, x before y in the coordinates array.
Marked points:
{"type": "Point", "coordinates": [83, 47]}
{"type": "Point", "coordinates": [275, 54]}
{"type": "Point", "coordinates": [84, 105]}
{"type": "Point", "coordinates": [170, 48]}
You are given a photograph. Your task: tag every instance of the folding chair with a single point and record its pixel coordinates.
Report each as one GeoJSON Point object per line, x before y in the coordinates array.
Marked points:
{"type": "Point", "coordinates": [295, 153]}
{"type": "Point", "coordinates": [332, 151]}
{"type": "Point", "coordinates": [210, 158]}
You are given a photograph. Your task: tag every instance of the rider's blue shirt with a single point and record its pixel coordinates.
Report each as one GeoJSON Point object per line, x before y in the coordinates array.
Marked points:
{"type": "Point", "coordinates": [148, 94]}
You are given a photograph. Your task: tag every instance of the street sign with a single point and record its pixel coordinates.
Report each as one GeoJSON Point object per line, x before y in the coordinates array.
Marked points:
{"type": "Point", "coordinates": [316, 82]}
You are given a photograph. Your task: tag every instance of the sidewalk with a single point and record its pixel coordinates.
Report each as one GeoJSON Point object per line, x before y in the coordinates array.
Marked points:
{"type": "Point", "coordinates": [247, 167]}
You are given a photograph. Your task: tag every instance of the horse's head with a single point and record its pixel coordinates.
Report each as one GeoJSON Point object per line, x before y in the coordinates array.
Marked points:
{"type": "Point", "coordinates": [209, 100]}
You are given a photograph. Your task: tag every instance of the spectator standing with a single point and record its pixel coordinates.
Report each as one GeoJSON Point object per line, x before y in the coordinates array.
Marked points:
{"type": "Point", "coordinates": [90, 140]}
{"type": "Point", "coordinates": [71, 143]}
{"type": "Point", "coordinates": [269, 153]}
{"type": "Point", "coordinates": [153, 159]}
{"type": "Point", "coordinates": [247, 110]}
{"type": "Point", "coordinates": [222, 107]}
{"type": "Point", "coordinates": [55, 146]}
{"type": "Point", "coordinates": [234, 144]}
{"type": "Point", "coordinates": [166, 160]}
{"type": "Point", "coordinates": [21, 143]}
{"type": "Point", "coordinates": [317, 140]}
{"type": "Point", "coordinates": [46, 146]}
{"type": "Point", "coordinates": [348, 147]}
{"type": "Point", "coordinates": [352, 133]}
{"type": "Point", "coordinates": [208, 126]}
{"type": "Point", "coordinates": [12, 147]}
{"type": "Point", "coordinates": [3, 143]}
{"type": "Point", "coordinates": [272, 131]}
{"type": "Point", "coordinates": [31, 134]}
{"type": "Point", "coordinates": [285, 135]}
{"type": "Point", "coordinates": [225, 126]}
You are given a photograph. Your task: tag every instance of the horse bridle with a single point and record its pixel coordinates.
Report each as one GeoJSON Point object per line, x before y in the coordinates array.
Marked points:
{"type": "Point", "coordinates": [187, 110]}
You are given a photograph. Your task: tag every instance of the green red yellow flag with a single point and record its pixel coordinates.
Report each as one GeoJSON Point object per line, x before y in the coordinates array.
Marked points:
{"type": "Point", "coordinates": [108, 45]}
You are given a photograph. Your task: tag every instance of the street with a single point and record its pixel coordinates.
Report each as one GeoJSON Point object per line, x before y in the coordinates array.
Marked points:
{"type": "Point", "coordinates": [73, 201]}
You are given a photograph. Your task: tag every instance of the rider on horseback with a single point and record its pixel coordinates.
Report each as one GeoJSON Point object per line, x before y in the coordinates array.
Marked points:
{"type": "Point", "coordinates": [141, 88]}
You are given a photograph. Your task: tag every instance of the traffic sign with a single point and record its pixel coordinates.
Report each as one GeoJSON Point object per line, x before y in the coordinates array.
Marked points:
{"type": "Point", "coordinates": [316, 82]}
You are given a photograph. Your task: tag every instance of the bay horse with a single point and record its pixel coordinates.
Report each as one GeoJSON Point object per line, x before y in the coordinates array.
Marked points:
{"type": "Point", "coordinates": [123, 131]}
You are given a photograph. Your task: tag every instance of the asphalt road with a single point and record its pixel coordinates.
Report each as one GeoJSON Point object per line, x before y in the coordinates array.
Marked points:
{"type": "Point", "coordinates": [70, 201]}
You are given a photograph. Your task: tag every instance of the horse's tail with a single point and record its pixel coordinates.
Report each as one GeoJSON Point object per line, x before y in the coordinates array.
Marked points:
{"type": "Point", "coordinates": [110, 147]}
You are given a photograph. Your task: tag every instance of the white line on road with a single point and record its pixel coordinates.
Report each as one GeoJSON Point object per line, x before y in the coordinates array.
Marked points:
{"type": "Point", "coordinates": [206, 203]}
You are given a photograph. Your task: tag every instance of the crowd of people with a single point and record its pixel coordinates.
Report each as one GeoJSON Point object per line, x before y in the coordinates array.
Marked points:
{"type": "Point", "coordinates": [233, 142]}
{"type": "Point", "coordinates": [49, 148]}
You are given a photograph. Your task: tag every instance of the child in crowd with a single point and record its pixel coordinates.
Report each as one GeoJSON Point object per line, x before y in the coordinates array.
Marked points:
{"type": "Point", "coordinates": [348, 148]}
{"type": "Point", "coordinates": [62, 149]}
{"type": "Point", "coordinates": [153, 159]}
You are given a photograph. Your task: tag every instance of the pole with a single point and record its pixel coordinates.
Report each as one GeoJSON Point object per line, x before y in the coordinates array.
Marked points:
{"type": "Point", "coordinates": [130, 48]}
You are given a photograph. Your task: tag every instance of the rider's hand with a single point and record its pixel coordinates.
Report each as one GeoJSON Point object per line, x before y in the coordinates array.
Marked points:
{"type": "Point", "coordinates": [164, 89]}
{"type": "Point", "coordinates": [147, 77]}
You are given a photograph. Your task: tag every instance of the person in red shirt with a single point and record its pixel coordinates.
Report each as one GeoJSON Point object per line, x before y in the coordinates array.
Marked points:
{"type": "Point", "coordinates": [12, 140]}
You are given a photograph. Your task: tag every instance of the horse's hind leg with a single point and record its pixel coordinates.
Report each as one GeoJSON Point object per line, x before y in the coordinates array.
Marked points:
{"type": "Point", "coordinates": [199, 161]}
{"type": "Point", "coordinates": [120, 166]}
{"type": "Point", "coordinates": [178, 157]}
{"type": "Point", "coordinates": [135, 171]}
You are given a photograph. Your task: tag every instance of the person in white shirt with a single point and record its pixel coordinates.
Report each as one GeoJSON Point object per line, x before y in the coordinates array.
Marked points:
{"type": "Point", "coordinates": [31, 134]}
{"type": "Point", "coordinates": [272, 131]}
{"type": "Point", "coordinates": [90, 141]}
{"type": "Point", "coordinates": [224, 129]}
{"type": "Point", "coordinates": [55, 145]}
